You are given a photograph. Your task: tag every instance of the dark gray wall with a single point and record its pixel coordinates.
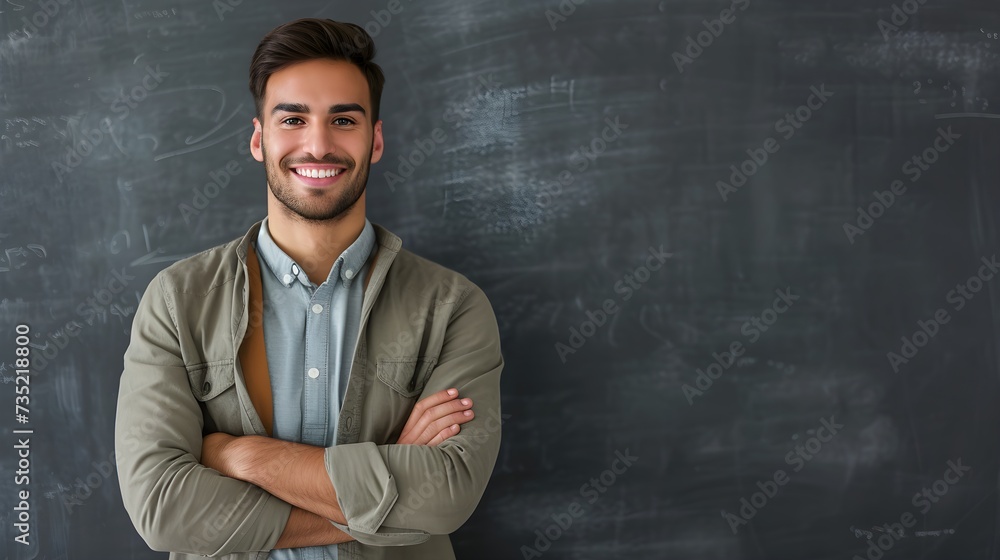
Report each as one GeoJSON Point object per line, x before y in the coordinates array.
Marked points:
{"type": "Point", "coordinates": [91, 187]}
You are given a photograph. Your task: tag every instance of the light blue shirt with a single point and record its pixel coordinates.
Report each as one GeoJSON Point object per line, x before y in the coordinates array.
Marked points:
{"type": "Point", "coordinates": [310, 333]}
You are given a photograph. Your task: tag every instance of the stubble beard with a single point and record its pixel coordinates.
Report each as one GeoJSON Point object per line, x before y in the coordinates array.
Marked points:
{"type": "Point", "coordinates": [323, 204]}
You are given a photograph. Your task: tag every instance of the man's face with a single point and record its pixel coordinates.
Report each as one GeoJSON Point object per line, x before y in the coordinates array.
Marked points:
{"type": "Point", "coordinates": [316, 120]}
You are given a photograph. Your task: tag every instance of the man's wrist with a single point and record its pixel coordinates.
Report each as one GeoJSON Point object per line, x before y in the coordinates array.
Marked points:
{"type": "Point", "coordinates": [293, 472]}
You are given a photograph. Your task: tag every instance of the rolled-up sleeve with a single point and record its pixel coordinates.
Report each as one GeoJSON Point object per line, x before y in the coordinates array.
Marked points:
{"type": "Point", "coordinates": [176, 503]}
{"type": "Point", "coordinates": [401, 494]}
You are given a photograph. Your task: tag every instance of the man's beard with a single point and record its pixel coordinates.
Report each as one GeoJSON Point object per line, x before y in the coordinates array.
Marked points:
{"type": "Point", "coordinates": [327, 203]}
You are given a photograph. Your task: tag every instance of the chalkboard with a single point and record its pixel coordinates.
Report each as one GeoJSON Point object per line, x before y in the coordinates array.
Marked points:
{"type": "Point", "coordinates": [743, 255]}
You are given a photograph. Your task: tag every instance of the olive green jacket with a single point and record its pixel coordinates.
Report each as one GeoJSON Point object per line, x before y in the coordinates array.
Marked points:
{"type": "Point", "coordinates": [424, 328]}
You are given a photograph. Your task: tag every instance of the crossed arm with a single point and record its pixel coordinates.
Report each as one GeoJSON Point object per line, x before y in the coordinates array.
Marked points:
{"type": "Point", "coordinates": [179, 502]}
{"type": "Point", "coordinates": [296, 473]}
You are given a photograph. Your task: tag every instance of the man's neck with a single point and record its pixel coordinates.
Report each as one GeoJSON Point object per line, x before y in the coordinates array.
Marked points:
{"type": "Point", "coordinates": [314, 245]}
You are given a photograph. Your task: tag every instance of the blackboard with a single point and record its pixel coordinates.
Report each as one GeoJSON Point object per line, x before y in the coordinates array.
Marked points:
{"type": "Point", "coordinates": [742, 255]}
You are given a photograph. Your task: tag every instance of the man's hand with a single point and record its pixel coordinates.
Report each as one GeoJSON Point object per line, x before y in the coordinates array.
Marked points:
{"type": "Point", "coordinates": [436, 419]}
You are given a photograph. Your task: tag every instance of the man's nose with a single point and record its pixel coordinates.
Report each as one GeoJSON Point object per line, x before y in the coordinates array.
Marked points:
{"type": "Point", "coordinates": [320, 142]}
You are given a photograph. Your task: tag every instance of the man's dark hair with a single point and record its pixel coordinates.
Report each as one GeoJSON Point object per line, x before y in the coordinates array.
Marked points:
{"type": "Point", "coordinates": [312, 38]}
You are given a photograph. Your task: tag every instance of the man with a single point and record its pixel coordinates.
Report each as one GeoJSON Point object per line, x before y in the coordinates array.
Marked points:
{"type": "Point", "coordinates": [329, 423]}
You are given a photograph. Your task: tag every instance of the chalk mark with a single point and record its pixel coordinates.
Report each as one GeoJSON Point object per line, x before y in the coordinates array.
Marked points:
{"type": "Point", "coordinates": [196, 148]}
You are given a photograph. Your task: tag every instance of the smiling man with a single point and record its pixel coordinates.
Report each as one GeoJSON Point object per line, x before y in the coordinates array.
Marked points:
{"type": "Point", "coordinates": [306, 391]}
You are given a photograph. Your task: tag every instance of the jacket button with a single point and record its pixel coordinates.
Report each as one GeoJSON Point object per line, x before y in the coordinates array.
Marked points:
{"type": "Point", "coordinates": [207, 387]}
{"type": "Point", "coordinates": [348, 422]}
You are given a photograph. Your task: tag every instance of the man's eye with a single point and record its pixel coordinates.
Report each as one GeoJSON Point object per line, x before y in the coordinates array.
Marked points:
{"type": "Point", "coordinates": [340, 120]}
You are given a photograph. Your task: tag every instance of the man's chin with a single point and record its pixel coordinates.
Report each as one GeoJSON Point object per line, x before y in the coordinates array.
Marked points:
{"type": "Point", "coordinates": [317, 208]}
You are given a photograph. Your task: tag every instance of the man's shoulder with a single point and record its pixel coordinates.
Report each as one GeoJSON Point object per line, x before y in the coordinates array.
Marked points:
{"type": "Point", "coordinates": [202, 272]}
{"type": "Point", "coordinates": [414, 275]}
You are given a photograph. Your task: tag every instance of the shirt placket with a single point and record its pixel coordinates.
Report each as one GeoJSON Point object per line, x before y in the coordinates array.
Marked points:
{"type": "Point", "coordinates": [316, 380]}
{"type": "Point", "coordinates": [316, 389]}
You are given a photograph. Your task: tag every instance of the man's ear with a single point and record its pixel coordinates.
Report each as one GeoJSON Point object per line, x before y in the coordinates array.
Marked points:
{"type": "Point", "coordinates": [255, 139]}
{"type": "Point", "coordinates": [377, 145]}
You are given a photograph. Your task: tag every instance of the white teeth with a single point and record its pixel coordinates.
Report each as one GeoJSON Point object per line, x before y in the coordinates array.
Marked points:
{"type": "Point", "coordinates": [316, 173]}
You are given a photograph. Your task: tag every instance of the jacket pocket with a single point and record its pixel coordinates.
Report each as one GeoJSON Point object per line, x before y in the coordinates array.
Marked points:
{"type": "Point", "coordinates": [213, 384]}
{"type": "Point", "coordinates": [406, 376]}
{"type": "Point", "coordinates": [210, 380]}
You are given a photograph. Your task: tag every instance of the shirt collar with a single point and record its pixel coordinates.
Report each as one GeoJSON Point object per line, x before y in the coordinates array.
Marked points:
{"type": "Point", "coordinates": [287, 271]}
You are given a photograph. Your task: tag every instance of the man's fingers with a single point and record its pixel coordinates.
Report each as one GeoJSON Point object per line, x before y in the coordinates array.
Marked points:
{"type": "Point", "coordinates": [435, 428]}
{"type": "Point", "coordinates": [421, 423]}
{"type": "Point", "coordinates": [445, 434]}
{"type": "Point", "coordinates": [427, 403]}
{"type": "Point", "coordinates": [432, 420]}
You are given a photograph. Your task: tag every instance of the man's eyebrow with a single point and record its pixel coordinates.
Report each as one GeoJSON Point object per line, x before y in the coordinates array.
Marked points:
{"type": "Point", "coordinates": [303, 108]}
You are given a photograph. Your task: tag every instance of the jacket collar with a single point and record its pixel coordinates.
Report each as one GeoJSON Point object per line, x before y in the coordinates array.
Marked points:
{"type": "Point", "coordinates": [385, 240]}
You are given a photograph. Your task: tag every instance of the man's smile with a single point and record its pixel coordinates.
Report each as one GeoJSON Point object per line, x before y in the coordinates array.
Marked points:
{"type": "Point", "coordinates": [318, 175]}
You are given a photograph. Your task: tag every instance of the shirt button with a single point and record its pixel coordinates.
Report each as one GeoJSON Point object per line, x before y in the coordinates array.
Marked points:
{"type": "Point", "coordinates": [348, 274]}
{"type": "Point", "coordinates": [317, 308]}
{"type": "Point", "coordinates": [313, 372]}
{"type": "Point", "coordinates": [295, 269]}
{"type": "Point", "coordinates": [287, 279]}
